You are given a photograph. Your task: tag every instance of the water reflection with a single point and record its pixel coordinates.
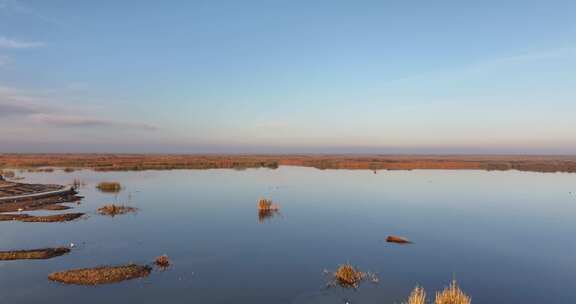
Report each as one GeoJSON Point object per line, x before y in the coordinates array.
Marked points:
{"type": "Point", "coordinates": [267, 215]}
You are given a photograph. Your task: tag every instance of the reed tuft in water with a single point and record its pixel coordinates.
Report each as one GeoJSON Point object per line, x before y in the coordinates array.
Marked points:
{"type": "Point", "coordinates": [109, 187]}
{"type": "Point", "coordinates": [267, 205]}
{"type": "Point", "coordinates": [417, 296]}
{"type": "Point", "coordinates": [348, 276]}
{"type": "Point", "coordinates": [452, 295]}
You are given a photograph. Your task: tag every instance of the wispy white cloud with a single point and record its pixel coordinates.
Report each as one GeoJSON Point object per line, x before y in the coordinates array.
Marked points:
{"type": "Point", "coordinates": [41, 110]}
{"type": "Point", "coordinates": [12, 109]}
{"type": "Point", "coordinates": [524, 58]}
{"type": "Point", "coordinates": [66, 121]}
{"type": "Point", "coordinates": [7, 43]}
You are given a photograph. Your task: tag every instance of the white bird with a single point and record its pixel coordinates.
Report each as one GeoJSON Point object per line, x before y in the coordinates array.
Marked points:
{"type": "Point", "coordinates": [72, 245]}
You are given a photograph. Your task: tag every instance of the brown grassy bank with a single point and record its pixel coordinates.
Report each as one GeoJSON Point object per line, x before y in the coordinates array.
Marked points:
{"type": "Point", "coordinates": [121, 162]}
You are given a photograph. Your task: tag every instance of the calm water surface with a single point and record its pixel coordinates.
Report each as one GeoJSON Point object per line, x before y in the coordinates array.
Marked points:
{"type": "Point", "coordinates": [507, 237]}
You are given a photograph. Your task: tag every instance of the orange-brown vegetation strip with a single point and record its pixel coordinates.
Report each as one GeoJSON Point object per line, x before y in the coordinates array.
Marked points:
{"type": "Point", "coordinates": [118, 162]}
{"type": "Point", "coordinates": [100, 275]}
{"type": "Point", "coordinates": [66, 217]}
{"type": "Point", "coordinates": [34, 254]}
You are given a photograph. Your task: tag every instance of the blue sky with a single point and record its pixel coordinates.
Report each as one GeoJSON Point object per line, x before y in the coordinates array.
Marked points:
{"type": "Point", "coordinates": [288, 76]}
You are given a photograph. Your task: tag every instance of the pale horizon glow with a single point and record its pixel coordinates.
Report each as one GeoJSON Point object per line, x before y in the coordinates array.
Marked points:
{"type": "Point", "coordinates": [288, 77]}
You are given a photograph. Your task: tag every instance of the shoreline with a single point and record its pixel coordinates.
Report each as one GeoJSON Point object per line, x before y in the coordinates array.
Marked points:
{"type": "Point", "coordinates": [137, 162]}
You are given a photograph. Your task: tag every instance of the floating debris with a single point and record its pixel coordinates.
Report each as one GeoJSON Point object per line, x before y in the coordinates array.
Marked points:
{"type": "Point", "coordinates": [113, 210]}
{"type": "Point", "coordinates": [397, 239]}
{"type": "Point", "coordinates": [111, 187]}
{"type": "Point", "coordinates": [101, 275]}
{"type": "Point", "coordinates": [34, 254]}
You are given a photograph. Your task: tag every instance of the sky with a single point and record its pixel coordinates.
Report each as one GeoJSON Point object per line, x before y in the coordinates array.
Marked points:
{"type": "Point", "coordinates": [293, 76]}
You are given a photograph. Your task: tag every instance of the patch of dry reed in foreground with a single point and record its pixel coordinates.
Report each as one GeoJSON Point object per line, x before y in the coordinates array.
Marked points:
{"type": "Point", "coordinates": [417, 296]}
{"type": "Point", "coordinates": [450, 295]}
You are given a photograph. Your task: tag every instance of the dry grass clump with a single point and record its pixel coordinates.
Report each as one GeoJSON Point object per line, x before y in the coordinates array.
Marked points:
{"type": "Point", "coordinates": [112, 187]}
{"type": "Point", "coordinates": [267, 205]}
{"type": "Point", "coordinates": [113, 210]}
{"type": "Point", "coordinates": [348, 276]}
{"type": "Point", "coordinates": [417, 296]}
{"type": "Point", "coordinates": [101, 275]}
{"type": "Point", "coordinates": [162, 261]}
{"type": "Point", "coordinates": [450, 295]}
{"type": "Point", "coordinates": [65, 217]}
{"type": "Point", "coordinates": [35, 254]}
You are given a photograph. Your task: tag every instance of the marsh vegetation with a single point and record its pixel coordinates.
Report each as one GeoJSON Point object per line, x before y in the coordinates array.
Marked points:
{"type": "Point", "coordinates": [110, 187]}
{"type": "Point", "coordinates": [101, 274]}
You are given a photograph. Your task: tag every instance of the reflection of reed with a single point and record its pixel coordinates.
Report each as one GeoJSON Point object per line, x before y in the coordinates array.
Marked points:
{"type": "Point", "coordinates": [264, 215]}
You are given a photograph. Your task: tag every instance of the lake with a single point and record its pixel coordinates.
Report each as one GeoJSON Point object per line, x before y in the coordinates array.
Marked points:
{"type": "Point", "coordinates": [506, 237]}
